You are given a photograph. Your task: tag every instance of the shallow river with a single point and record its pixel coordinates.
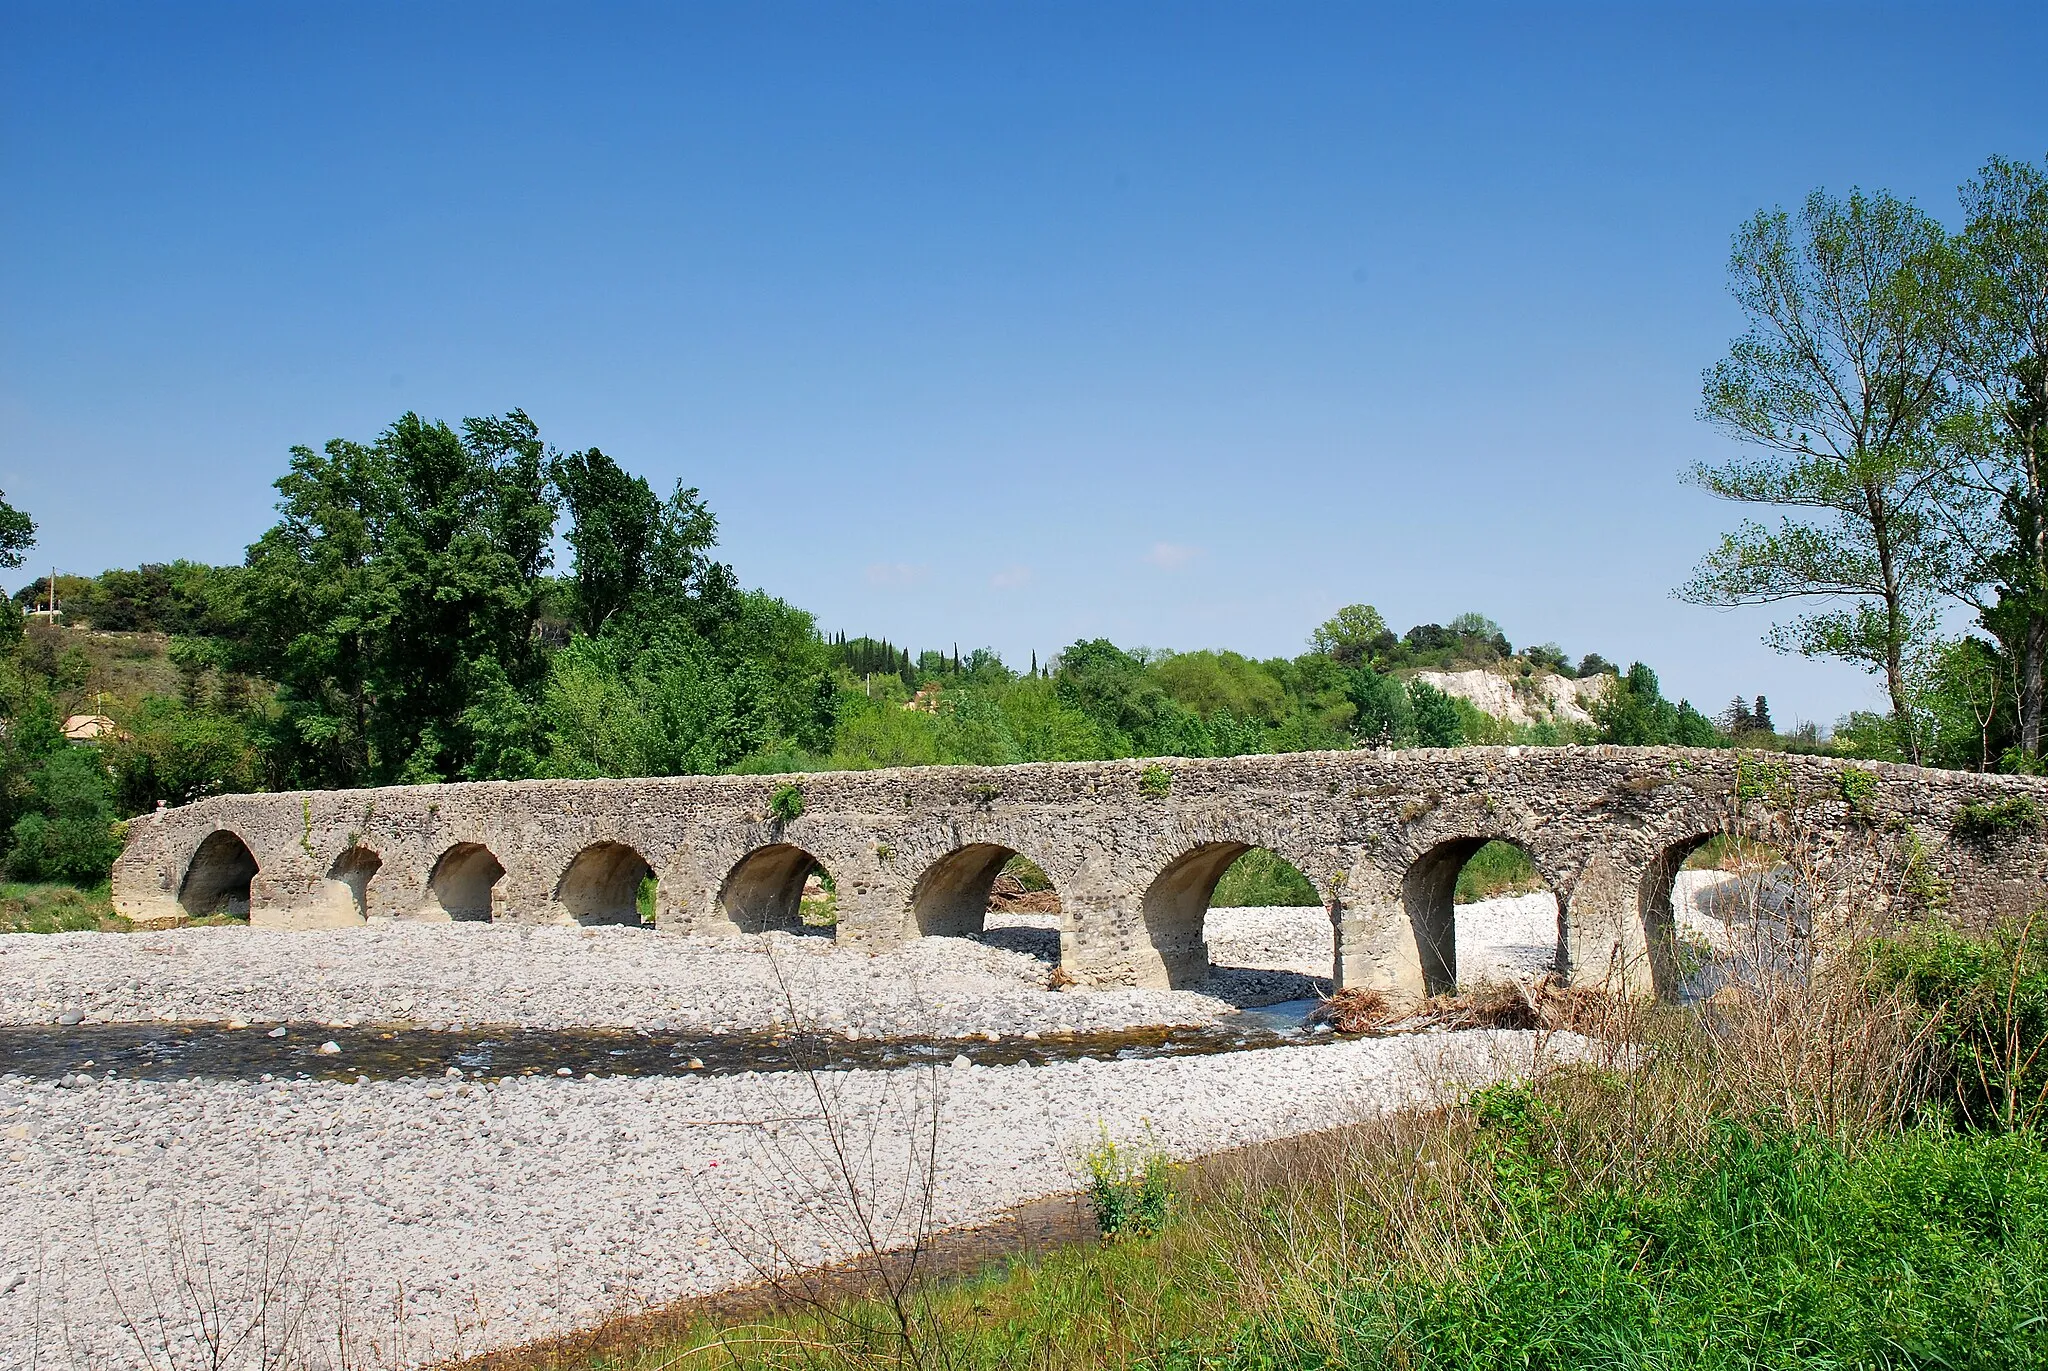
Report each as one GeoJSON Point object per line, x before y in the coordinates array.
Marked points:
{"type": "Point", "coordinates": [140, 1051]}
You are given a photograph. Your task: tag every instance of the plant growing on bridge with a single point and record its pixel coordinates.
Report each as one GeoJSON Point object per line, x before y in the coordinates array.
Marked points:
{"type": "Point", "coordinates": [1985, 825]}
{"type": "Point", "coordinates": [786, 805]}
{"type": "Point", "coordinates": [1155, 781]}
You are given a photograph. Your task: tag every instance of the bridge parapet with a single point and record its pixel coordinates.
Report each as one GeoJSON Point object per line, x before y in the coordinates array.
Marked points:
{"type": "Point", "coordinates": [1133, 849]}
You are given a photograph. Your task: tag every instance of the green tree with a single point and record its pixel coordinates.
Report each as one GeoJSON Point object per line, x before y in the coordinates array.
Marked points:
{"type": "Point", "coordinates": [1634, 713]}
{"type": "Point", "coordinates": [612, 526]}
{"type": "Point", "coordinates": [1382, 712]}
{"type": "Point", "coordinates": [1352, 635]}
{"type": "Point", "coordinates": [1840, 381]}
{"type": "Point", "coordinates": [2000, 435]}
{"type": "Point", "coordinates": [70, 834]}
{"type": "Point", "coordinates": [17, 534]}
{"type": "Point", "coordinates": [173, 752]}
{"type": "Point", "coordinates": [1222, 682]}
{"type": "Point", "coordinates": [1133, 711]}
{"type": "Point", "coordinates": [1966, 705]}
{"type": "Point", "coordinates": [1437, 722]}
{"type": "Point", "coordinates": [402, 584]}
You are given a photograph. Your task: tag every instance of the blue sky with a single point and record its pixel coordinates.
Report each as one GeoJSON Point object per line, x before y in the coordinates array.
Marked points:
{"type": "Point", "coordinates": [1181, 325]}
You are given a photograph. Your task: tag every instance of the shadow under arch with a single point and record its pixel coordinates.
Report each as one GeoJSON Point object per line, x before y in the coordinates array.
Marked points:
{"type": "Point", "coordinates": [349, 880]}
{"type": "Point", "coordinates": [764, 891]}
{"type": "Point", "coordinates": [1176, 903]}
{"type": "Point", "coordinates": [464, 883]}
{"type": "Point", "coordinates": [601, 885]}
{"type": "Point", "coordinates": [216, 881]}
{"type": "Point", "coordinates": [1429, 895]}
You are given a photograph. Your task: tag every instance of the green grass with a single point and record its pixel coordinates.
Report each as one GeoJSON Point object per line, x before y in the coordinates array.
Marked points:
{"type": "Point", "coordinates": [1728, 852]}
{"type": "Point", "coordinates": [1263, 877]}
{"type": "Point", "coordinates": [41, 908]}
{"type": "Point", "coordinates": [1497, 869]}
{"type": "Point", "coordinates": [1026, 873]}
{"type": "Point", "coordinates": [1924, 1248]}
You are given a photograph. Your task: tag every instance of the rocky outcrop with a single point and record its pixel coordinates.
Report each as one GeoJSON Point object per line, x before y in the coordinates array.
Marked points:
{"type": "Point", "coordinates": [1538, 699]}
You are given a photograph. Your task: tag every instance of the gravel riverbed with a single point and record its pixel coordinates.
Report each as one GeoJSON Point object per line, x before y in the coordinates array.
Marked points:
{"type": "Point", "coordinates": [431, 1218]}
{"type": "Point", "coordinates": [591, 977]}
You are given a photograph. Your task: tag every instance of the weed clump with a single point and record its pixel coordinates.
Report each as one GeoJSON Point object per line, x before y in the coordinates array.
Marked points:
{"type": "Point", "coordinates": [1986, 1002]}
{"type": "Point", "coordinates": [1984, 826]}
{"type": "Point", "coordinates": [786, 805]}
{"type": "Point", "coordinates": [1129, 1187]}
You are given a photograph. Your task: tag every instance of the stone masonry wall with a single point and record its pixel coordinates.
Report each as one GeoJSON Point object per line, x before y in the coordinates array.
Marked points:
{"type": "Point", "coordinates": [1133, 848]}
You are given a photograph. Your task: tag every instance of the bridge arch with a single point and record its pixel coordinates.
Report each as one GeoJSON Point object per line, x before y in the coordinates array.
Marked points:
{"type": "Point", "coordinates": [463, 884]}
{"type": "Point", "coordinates": [348, 882]}
{"type": "Point", "coordinates": [951, 897]}
{"type": "Point", "coordinates": [217, 879]}
{"type": "Point", "coordinates": [1174, 907]}
{"type": "Point", "coordinates": [1430, 899]}
{"type": "Point", "coordinates": [765, 890]}
{"type": "Point", "coordinates": [601, 885]}
{"type": "Point", "coordinates": [1774, 911]}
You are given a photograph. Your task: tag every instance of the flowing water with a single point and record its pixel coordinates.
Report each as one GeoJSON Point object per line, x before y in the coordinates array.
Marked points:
{"type": "Point", "coordinates": [151, 1051]}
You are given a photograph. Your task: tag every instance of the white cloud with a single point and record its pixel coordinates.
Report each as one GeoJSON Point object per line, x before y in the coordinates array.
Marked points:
{"type": "Point", "coordinates": [1010, 577]}
{"type": "Point", "coordinates": [896, 575]}
{"type": "Point", "coordinates": [1172, 556]}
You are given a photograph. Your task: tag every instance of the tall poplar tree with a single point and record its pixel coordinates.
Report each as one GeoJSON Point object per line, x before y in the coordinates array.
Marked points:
{"type": "Point", "coordinates": [1837, 387]}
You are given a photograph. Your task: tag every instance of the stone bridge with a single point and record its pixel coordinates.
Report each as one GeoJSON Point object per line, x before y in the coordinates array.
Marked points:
{"type": "Point", "coordinates": [1133, 848]}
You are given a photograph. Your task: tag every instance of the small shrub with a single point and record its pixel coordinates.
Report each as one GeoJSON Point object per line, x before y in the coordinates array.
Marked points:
{"type": "Point", "coordinates": [1984, 826]}
{"type": "Point", "coordinates": [786, 805]}
{"type": "Point", "coordinates": [1129, 1187]}
{"type": "Point", "coordinates": [1757, 779]}
{"type": "Point", "coordinates": [1987, 999]}
{"type": "Point", "coordinates": [1859, 789]}
{"type": "Point", "coordinates": [644, 900]}
{"type": "Point", "coordinates": [1026, 873]}
{"type": "Point", "coordinates": [1155, 781]}
{"type": "Point", "coordinates": [986, 794]}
